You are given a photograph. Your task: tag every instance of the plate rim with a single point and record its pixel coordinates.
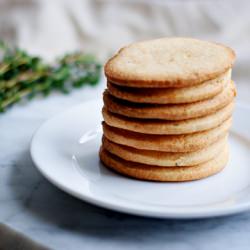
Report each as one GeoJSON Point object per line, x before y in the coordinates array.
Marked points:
{"type": "Point", "coordinates": [188, 214]}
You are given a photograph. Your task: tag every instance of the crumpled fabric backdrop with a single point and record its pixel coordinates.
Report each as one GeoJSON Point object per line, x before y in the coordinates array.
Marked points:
{"type": "Point", "coordinates": [49, 28]}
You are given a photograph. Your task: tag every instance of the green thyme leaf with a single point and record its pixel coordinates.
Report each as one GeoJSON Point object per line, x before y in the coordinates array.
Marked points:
{"type": "Point", "coordinates": [23, 75]}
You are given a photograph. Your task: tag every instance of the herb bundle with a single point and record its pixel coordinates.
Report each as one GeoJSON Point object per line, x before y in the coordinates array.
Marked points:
{"type": "Point", "coordinates": [23, 75]}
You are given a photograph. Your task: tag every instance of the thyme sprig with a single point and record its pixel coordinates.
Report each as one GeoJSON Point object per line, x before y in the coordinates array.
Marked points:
{"type": "Point", "coordinates": [25, 76]}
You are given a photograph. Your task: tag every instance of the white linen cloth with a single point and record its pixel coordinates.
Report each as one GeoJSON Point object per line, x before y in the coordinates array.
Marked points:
{"type": "Point", "coordinates": [49, 28]}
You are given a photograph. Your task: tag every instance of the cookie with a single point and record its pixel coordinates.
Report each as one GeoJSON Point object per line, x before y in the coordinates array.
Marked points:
{"type": "Point", "coordinates": [169, 62]}
{"type": "Point", "coordinates": [165, 127]}
{"type": "Point", "coordinates": [195, 93]}
{"type": "Point", "coordinates": [167, 143]}
{"type": "Point", "coordinates": [170, 111]}
{"type": "Point", "coordinates": [171, 174]}
{"type": "Point", "coordinates": [164, 159]}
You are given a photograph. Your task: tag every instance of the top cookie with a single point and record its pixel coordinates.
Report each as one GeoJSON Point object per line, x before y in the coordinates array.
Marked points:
{"type": "Point", "coordinates": [169, 62]}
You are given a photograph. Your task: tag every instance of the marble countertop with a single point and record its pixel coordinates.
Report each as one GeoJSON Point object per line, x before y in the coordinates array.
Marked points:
{"type": "Point", "coordinates": [30, 204]}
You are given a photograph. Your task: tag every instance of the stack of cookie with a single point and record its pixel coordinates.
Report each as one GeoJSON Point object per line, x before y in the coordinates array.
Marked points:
{"type": "Point", "coordinates": [167, 109]}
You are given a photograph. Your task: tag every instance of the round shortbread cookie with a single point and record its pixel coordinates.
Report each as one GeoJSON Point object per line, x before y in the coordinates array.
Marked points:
{"type": "Point", "coordinates": [164, 159]}
{"type": "Point", "coordinates": [165, 127]}
{"type": "Point", "coordinates": [195, 93]}
{"type": "Point", "coordinates": [170, 111]}
{"type": "Point", "coordinates": [155, 173]}
{"type": "Point", "coordinates": [167, 143]}
{"type": "Point", "coordinates": [169, 62]}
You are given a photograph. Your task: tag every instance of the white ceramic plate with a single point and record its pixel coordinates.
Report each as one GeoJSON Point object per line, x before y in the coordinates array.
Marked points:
{"type": "Point", "coordinates": [65, 150]}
